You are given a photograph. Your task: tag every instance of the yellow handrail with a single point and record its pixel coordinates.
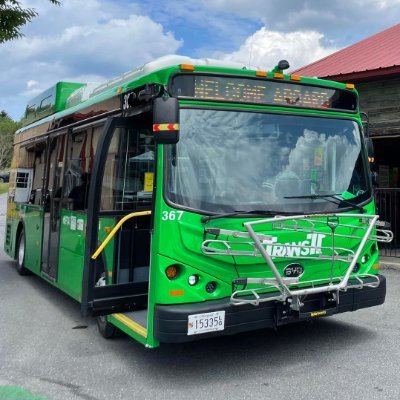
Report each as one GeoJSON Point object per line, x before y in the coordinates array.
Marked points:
{"type": "Point", "coordinates": [114, 231]}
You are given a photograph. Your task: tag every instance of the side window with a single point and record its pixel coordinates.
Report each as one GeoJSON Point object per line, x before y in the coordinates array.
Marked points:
{"type": "Point", "coordinates": [22, 180]}
{"type": "Point", "coordinates": [129, 171]}
{"type": "Point", "coordinates": [110, 174]}
{"type": "Point", "coordinates": [78, 170]}
{"type": "Point", "coordinates": [39, 167]}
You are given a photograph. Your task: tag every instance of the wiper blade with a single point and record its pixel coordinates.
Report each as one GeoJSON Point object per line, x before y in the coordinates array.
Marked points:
{"type": "Point", "coordinates": [329, 197]}
{"type": "Point", "coordinates": [234, 213]}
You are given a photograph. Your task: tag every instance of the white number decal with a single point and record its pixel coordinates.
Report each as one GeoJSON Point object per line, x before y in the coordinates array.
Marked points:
{"type": "Point", "coordinates": [172, 215]}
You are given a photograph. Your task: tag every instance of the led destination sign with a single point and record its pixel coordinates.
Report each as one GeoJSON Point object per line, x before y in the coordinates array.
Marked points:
{"type": "Point", "coordinates": [245, 90]}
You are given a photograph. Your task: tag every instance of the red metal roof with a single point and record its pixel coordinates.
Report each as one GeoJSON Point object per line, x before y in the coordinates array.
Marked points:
{"type": "Point", "coordinates": [374, 56]}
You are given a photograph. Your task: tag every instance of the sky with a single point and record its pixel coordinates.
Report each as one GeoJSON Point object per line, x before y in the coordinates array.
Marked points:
{"type": "Point", "coordinates": [96, 40]}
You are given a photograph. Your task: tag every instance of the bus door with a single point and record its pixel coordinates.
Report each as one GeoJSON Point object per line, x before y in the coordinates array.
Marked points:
{"type": "Point", "coordinates": [116, 279]}
{"type": "Point", "coordinates": [52, 205]}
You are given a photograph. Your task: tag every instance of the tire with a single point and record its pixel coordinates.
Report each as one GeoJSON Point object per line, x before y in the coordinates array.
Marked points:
{"type": "Point", "coordinates": [21, 254]}
{"type": "Point", "coordinates": [106, 329]}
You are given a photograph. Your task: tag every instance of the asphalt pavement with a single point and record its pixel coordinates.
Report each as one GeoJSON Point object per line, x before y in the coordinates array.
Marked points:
{"type": "Point", "coordinates": [48, 351]}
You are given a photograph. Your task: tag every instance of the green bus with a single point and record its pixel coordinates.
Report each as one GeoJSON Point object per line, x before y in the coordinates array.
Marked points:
{"type": "Point", "coordinates": [188, 199]}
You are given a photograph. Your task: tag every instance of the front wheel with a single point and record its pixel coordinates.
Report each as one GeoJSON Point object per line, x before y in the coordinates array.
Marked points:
{"type": "Point", "coordinates": [21, 255]}
{"type": "Point", "coordinates": [106, 329]}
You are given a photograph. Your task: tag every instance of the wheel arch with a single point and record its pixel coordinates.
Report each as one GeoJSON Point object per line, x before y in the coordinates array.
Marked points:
{"type": "Point", "coordinates": [20, 228]}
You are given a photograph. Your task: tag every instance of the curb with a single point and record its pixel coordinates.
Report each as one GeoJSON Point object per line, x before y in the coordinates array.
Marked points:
{"type": "Point", "coordinates": [389, 263]}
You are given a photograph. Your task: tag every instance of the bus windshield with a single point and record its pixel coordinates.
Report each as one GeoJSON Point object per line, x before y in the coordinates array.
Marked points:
{"type": "Point", "coordinates": [231, 160]}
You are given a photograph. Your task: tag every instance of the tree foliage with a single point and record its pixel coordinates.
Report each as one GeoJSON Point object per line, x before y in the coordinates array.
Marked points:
{"type": "Point", "coordinates": [13, 17]}
{"type": "Point", "coordinates": [7, 130]}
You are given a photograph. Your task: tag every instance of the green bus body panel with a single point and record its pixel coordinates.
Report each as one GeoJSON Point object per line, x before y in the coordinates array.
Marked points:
{"type": "Point", "coordinates": [33, 225]}
{"type": "Point", "coordinates": [71, 255]}
{"type": "Point", "coordinates": [49, 102]}
{"type": "Point", "coordinates": [71, 245]}
{"type": "Point", "coordinates": [72, 251]}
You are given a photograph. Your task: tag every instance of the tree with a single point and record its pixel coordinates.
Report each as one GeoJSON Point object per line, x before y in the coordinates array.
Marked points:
{"type": "Point", "coordinates": [13, 17]}
{"type": "Point", "coordinates": [7, 130]}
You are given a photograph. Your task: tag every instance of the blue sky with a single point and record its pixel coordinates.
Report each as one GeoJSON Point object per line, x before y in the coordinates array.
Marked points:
{"type": "Point", "coordinates": [95, 40]}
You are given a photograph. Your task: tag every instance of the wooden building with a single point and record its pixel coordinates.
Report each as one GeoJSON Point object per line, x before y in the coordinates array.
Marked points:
{"type": "Point", "coordinates": [373, 65]}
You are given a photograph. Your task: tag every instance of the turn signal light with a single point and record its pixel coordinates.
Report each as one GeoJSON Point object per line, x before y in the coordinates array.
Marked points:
{"type": "Point", "coordinates": [172, 271]}
{"type": "Point", "coordinates": [261, 73]}
{"type": "Point", "coordinates": [187, 67]}
{"type": "Point", "coordinates": [349, 85]}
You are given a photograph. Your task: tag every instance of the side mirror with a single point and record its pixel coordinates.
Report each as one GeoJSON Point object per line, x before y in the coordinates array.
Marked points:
{"type": "Point", "coordinates": [166, 120]}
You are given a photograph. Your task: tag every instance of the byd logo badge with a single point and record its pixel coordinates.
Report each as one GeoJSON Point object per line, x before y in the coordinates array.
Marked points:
{"type": "Point", "coordinates": [293, 270]}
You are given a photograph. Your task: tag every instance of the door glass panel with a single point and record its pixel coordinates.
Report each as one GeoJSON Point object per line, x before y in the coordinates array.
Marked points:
{"type": "Point", "coordinates": [129, 171]}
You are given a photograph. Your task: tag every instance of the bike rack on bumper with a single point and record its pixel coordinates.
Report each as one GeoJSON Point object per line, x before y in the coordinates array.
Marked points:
{"type": "Point", "coordinates": [291, 291]}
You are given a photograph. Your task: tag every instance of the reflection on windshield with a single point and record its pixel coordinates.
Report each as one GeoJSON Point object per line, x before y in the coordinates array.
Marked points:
{"type": "Point", "coordinates": [228, 160]}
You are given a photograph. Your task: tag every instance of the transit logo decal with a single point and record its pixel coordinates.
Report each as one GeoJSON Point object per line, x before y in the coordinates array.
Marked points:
{"type": "Point", "coordinates": [311, 246]}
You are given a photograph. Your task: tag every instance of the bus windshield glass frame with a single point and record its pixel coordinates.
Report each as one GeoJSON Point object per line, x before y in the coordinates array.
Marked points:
{"type": "Point", "coordinates": [229, 160]}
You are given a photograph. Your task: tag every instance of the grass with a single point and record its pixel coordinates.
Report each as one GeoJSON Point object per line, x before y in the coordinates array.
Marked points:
{"type": "Point", "coordinates": [3, 188]}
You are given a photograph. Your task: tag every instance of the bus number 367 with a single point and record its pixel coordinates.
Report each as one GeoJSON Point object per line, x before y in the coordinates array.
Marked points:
{"type": "Point", "coordinates": [172, 215]}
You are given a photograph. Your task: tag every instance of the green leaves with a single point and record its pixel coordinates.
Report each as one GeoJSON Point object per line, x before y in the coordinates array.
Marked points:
{"type": "Point", "coordinates": [13, 17]}
{"type": "Point", "coordinates": [7, 130]}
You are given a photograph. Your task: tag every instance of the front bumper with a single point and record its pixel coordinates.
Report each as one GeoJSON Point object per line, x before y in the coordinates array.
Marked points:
{"type": "Point", "coordinates": [170, 321]}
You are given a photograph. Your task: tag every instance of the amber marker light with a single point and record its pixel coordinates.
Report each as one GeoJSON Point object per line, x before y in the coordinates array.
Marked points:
{"type": "Point", "coordinates": [349, 85]}
{"type": "Point", "coordinates": [107, 229]}
{"type": "Point", "coordinates": [119, 90]}
{"type": "Point", "coordinates": [376, 266]}
{"type": "Point", "coordinates": [277, 75]}
{"type": "Point", "coordinates": [187, 67]}
{"type": "Point", "coordinates": [172, 271]}
{"type": "Point", "coordinates": [261, 73]}
{"type": "Point", "coordinates": [179, 292]}
{"type": "Point", "coordinates": [295, 77]}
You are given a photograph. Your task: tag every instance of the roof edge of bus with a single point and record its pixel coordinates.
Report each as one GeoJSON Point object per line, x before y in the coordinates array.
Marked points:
{"type": "Point", "coordinates": [160, 63]}
{"type": "Point", "coordinates": [86, 93]}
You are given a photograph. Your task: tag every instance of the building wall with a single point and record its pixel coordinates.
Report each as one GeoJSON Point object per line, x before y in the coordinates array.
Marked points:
{"type": "Point", "coordinates": [381, 101]}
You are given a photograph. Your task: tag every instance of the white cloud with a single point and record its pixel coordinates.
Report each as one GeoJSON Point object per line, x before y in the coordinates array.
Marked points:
{"type": "Point", "coordinates": [31, 83]}
{"type": "Point", "coordinates": [79, 41]}
{"type": "Point", "coordinates": [265, 48]}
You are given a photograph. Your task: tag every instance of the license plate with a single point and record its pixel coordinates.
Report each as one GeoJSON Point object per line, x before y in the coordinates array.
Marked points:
{"type": "Point", "coordinates": [207, 322]}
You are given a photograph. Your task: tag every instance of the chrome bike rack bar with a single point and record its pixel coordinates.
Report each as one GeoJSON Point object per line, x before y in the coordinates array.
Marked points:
{"type": "Point", "coordinates": [291, 290]}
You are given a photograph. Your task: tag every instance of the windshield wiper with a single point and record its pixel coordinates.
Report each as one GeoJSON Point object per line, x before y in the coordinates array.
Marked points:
{"type": "Point", "coordinates": [329, 197]}
{"type": "Point", "coordinates": [268, 213]}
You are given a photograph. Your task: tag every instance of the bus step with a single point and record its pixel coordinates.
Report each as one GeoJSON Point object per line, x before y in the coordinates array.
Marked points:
{"type": "Point", "coordinates": [119, 298]}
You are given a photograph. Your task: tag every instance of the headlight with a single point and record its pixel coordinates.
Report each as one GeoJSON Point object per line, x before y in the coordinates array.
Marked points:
{"type": "Point", "coordinates": [193, 279]}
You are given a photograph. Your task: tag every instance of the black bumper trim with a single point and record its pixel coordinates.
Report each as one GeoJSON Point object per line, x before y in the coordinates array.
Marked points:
{"type": "Point", "coordinates": [170, 321]}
